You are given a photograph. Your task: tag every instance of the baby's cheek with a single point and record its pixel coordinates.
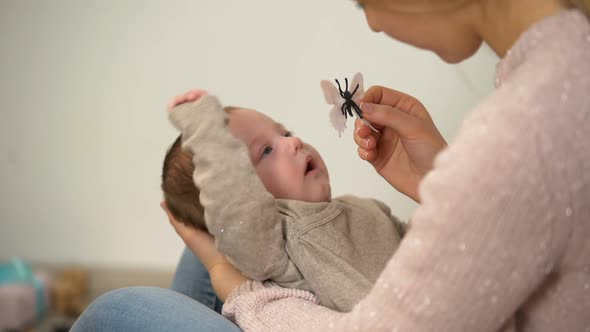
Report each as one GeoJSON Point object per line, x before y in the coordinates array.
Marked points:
{"type": "Point", "coordinates": [269, 180]}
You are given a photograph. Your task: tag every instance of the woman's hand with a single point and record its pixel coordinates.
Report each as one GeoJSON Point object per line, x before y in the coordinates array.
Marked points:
{"type": "Point", "coordinates": [403, 150]}
{"type": "Point", "coordinates": [224, 276]}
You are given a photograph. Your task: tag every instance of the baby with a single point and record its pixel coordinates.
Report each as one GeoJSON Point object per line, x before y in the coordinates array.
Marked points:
{"type": "Point", "coordinates": [267, 201]}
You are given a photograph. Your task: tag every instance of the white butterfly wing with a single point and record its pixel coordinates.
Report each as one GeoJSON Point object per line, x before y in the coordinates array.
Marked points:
{"type": "Point", "coordinates": [337, 119]}
{"type": "Point", "coordinates": [360, 92]}
{"type": "Point", "coordinates": [331, 93]}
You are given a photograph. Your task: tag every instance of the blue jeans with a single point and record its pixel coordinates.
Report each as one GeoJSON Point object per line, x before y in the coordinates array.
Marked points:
{"type": "Point", "coordinates": [191, 305]}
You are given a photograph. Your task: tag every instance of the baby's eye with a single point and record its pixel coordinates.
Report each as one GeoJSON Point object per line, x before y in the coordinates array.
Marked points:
{"type": "Point", "coordinates": [267, 150]}
{"type": "Point", "coordinates": [288, 134]}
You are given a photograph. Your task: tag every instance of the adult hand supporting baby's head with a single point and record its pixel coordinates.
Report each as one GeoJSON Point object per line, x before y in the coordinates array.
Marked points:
{"type": "Point", "coordinates": [201, 243]}
{"type": "Point", "coordinates": [224, 276]}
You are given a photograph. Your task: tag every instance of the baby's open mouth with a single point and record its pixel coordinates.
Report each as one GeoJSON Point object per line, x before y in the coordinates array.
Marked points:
{"type": "Point", "coordinates": [310, 166]}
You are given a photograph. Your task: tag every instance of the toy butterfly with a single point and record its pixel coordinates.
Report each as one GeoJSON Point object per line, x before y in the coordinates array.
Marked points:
{"type": "Point", "coordinates": [344, 101]}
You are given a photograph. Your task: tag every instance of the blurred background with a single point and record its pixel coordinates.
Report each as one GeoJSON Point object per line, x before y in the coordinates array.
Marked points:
{"type": "Point", "coordinates": [84, 84]}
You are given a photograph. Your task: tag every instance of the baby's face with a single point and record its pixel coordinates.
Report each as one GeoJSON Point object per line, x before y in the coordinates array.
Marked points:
{"type": "Point", "coordinates": [288, 168]}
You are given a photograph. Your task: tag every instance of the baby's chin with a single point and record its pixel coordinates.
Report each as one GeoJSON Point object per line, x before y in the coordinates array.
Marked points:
{"type": "Point", "coordinates": [323, 195]}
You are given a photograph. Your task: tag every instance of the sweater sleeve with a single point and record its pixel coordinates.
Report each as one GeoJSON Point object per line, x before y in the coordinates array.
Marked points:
{"type": "Point", "coordinates": [256, 306]}
{"type": "Point", "coordinates": [240, 213]}
{"type": "Point", "coordinates": [479, 245]}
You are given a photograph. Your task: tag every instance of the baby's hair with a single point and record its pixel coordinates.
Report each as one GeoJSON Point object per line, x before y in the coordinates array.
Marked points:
{"type": "Point", "coordinates": [180, 192]}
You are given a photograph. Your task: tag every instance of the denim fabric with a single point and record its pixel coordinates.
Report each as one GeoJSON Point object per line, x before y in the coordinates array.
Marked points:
{"type": "Point", "coordinates": [191, 305]}
{"type": "Point", "coordinates": [192, 279]}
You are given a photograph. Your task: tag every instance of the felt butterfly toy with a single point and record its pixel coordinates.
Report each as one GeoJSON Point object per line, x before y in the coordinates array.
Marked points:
{"type": "Point", "coordinates": [344, 101]}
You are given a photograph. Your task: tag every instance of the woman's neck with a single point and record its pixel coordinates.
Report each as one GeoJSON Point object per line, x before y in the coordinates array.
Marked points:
{"type": "Point", "coordinates": [503, 21]}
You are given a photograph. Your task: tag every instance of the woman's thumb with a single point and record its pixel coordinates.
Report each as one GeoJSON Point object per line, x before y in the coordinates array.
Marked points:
{"type": "Point", "coordinates": [387, 116]}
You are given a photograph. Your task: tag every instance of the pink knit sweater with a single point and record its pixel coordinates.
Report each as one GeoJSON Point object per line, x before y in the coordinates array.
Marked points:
{"type": "Point", "coordinates": [501, 240]}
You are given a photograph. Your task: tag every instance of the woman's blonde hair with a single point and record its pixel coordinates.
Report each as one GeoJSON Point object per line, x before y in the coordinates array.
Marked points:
{"type": "Point", "coordinates": [428, 6]}
{"type": "Point", "coordinates": [583, 5]}
{"type": "Point", "coordinates": [416, 6]}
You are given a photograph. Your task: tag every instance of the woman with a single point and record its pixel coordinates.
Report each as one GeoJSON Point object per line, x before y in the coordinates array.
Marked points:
{"type": "Point", "coordinates": [499, 240]}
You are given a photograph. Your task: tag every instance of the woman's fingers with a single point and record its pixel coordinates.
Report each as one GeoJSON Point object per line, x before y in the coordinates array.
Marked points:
{"type": "Point", "coordinates": [368, 155]}
{"type": "Point", "coordinates": [367, 143]}
{"type": "Point", "coordinates": [383, 115]}
{"type": "Point", "coordinates": [385, 96]}
{"type": "Point", "coordinates": [366, 139]}
{"type": "Point", "coordinates": [364, 136]}
{"type": "Point", "coordinates": [184, 231]}
{"type": "Point", "coordinates": [171, 218]}
{"type": "Point", "coordinates": [200, 242]}
{"type": "Point", "coordinates": [360, 129]}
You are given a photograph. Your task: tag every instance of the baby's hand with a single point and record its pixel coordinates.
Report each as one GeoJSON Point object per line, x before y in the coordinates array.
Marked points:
{"type": "Point", "coordinates": [189, 96]}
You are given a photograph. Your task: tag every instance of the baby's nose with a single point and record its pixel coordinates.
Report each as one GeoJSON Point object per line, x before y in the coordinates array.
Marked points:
{"type": "Point", "coordinates": [294, 143]}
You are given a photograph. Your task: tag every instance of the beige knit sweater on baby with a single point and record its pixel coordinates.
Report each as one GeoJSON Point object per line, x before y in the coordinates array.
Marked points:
{"type": "Point", "coordinates": [336, 249]}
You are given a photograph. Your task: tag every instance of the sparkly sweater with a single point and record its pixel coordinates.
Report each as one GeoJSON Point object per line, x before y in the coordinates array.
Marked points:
{"type": "Point", "coordinates": [501, 240]}
{"type": "Point", "coordinates": [336, 249]}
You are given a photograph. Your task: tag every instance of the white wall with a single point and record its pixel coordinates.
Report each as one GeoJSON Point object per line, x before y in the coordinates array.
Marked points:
{"type": "Point", "coordinates": [83, 86]}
